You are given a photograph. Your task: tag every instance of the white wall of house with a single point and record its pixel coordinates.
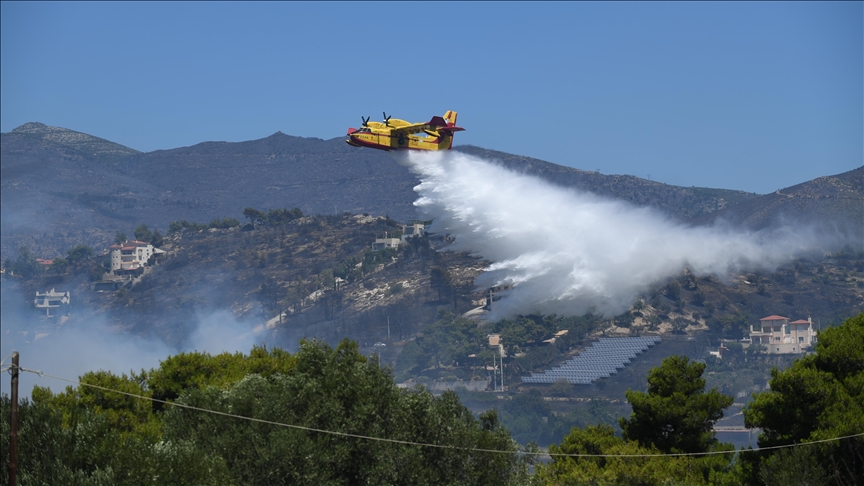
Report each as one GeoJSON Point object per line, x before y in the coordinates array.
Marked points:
{"type": "Point", "coordinates": [382, 243]}
{"type": "Point", "coordinates": [52, 300]}
{"type": "Point", "coordinates": [130, 256]}
{"type": "Point", "coordinates": [414, 230]}
{"type": "Point", "coordinates": [779, 336]}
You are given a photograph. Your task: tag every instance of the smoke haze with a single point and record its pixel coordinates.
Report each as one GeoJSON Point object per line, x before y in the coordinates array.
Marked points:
{"type": "Point", "coordinates": [569, 252]}
{"type": "Point", "coordinates": [92, 345]}
{"type": "Point", "coordinates": [564, 252]}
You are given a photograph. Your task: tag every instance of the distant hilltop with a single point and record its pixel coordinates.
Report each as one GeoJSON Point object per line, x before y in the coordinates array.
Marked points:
{"type": "Point", "coordinates": [81, 142]}
{"type": "Point", "coordinates": [95, 187]}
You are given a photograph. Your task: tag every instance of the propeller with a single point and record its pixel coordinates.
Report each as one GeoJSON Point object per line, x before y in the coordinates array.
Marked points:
{"type": "Point", "coordinates": [386, 119]}
{"type": "Point", "coordinates": [365, 120]}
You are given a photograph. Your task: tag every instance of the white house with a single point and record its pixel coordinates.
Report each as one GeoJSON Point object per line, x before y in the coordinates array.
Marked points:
{"type": "Point", "coordinates": [414, 230]}
{"type": "Point", "coordinates": [131, 256]}
{"type": "Point", "coordinates": [779, 336]}
{"type": "Point", "coordinates": [52, 300]}
{"type": "Point", "coordinates": [383, 243]}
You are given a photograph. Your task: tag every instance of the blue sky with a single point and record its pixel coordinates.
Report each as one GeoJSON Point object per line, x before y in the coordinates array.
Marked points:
{"type": "Point", "coordinates": [739, 95]}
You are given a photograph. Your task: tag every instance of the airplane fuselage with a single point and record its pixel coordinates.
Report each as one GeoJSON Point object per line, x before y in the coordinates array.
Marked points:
{"type": "Point", "coordinates": [395, 134]}
{"type": "Point", "coordinates": [384, 140]}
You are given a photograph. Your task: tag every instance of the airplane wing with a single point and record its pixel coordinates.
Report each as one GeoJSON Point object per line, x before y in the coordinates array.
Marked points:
{"type": "Point", "coordinates": [436, 124]}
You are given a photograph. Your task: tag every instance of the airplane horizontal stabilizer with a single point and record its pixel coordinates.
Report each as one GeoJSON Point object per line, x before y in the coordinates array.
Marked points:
{"type": "Point", "coordinates": [437, 121]}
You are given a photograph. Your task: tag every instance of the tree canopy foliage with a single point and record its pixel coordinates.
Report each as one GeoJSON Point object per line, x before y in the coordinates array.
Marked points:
{"type": "Point", "coordinates": [313, 410]}
{"type": "Point", "coordinates": [820, 396]}
{"type": "Point", "coordinates": [621, 470]}
{"type": "Point", "coordinates": [25, 265]}
{"type": "Point", "coordinates": [143, 233]}
{"type": "Point", "coordinates": [675, 415]}
{"type": "Point", "coordinates": [89, 435]}
{"type": "Point", "coordinates": [79, 254]}
{"type": "Point", "coordinates": [273, 217]}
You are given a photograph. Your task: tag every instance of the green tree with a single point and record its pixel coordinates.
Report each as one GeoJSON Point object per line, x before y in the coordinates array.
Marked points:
{"type": "Point", "coordinates": [326, 280]}
{"type": "Point", "coordinates": [224, 223]}
{"type": "Point", "coordinates": [142, 233]}
{"type": "Point", "coordinates": [675, 415]}
{"type": "Point", "coordinates": [79, 254]}
{"type": "Point", "coordinates": [119, 237]}
{"type": "Point", "coordinates": [440, 281]}
{"type": "Point", "coordinates": [59, 263]}
{"type": "Point", "coordinates": [123, 412]}
{"type": "Point", "coordinates": [98, 436]}
{"type": "Point", "coordinates": [733, 325]}
{"type": "Point", "coordinates": [793, 467]}
{"type": "Point", "coordinates": [673, 290]}
{"type": "Point", "coordinates": [25, 265]}
{"type": "Point", "coordinates": [340, 390]}
{"type": "Point", "coordinates": [278, 217]}
{"type": "Point", "coordinates": [819, 397]}
{"type": "Point", "coordinates": [658, 470]}
{"type": "Point", "coordinates": [157, 239]}
{"type": "Point", "coordinates": [448, 340]}
{"type": "Point", "coordinates": [679, 324]}
{"type": "Point", "coordinates": [254, 215]}
{"type": "Point", "coordinates": [199, 369]}
{"type": "Point", "coordinates": [75, 437]}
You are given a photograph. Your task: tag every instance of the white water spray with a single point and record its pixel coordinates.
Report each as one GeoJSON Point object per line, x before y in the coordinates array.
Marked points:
{"type": "Point", "coordinates": [569, 252]}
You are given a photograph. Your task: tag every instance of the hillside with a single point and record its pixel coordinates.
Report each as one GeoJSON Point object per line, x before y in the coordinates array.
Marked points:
{"type": "Point", "coordinates": [235, 283]}
{"type": "Point", "coordinates": [61, 188]}
{"type": "Point", "coordinates": [77, 142]}
{"type": "Point", "coordinates": [54, 197]}
{"type": "Point", "coordinates": [684, 203]}
{"type": "Point", "coordinates": [291, 269]}
{"type": "Point", "coordinates": [833, 203]}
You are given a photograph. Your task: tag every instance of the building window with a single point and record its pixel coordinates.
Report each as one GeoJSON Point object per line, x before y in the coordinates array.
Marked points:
{"type": "Point", "coordinates": [778, 350]}
{"type": "Point", "coordinates": [800, 339]}
{"type": "Point", "coordinates": [788, 329]}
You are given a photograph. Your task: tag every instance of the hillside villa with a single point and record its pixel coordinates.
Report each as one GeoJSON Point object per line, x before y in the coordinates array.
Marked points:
{"type": "Point", "coordinates": [132, 256]}
{"type": "Point", "coordinates": [413, 230]}
{"type": "Point", "coordinates": [779, 336]}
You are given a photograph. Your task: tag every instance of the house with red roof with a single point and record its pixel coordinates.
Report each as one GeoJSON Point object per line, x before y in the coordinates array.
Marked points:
{"type": "Point", "coordinates": [780, 336]}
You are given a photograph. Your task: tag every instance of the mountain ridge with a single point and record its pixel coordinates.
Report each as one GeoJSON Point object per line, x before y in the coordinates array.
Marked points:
{"type": "Point", "coordinates": [79, 141]}
{"type": "Point", "coordinates": [61, 188]}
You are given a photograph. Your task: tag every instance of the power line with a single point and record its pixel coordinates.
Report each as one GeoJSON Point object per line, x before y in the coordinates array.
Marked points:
{"type": "Point", "coordinates": [422, 444]}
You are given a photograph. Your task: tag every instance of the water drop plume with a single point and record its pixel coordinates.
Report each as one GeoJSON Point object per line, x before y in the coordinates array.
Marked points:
{"type": "Point", "coordinates": [569, 252]}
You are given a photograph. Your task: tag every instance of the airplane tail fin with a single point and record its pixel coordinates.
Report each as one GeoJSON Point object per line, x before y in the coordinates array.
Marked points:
{"type": "Point", "coordinates": [450, 116]}
{"type": "Point", "coordinates": [451, 128]}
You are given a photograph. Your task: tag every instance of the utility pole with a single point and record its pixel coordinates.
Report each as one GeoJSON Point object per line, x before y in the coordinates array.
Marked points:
{"type": "Point", "coordinates": [13, 445]}
{"type": "Point", "coordinates": [502, 373]}
{"type": "Point", "coordinates": [494, 374]}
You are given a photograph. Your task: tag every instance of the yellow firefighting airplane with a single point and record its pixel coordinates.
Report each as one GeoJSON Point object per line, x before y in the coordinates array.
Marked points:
{"type": "Point", "coordinates": [436, 134]}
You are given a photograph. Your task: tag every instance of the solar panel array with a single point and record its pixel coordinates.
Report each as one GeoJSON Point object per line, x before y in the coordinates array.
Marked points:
{"type": "Point", "coordinates": [600, 360]}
